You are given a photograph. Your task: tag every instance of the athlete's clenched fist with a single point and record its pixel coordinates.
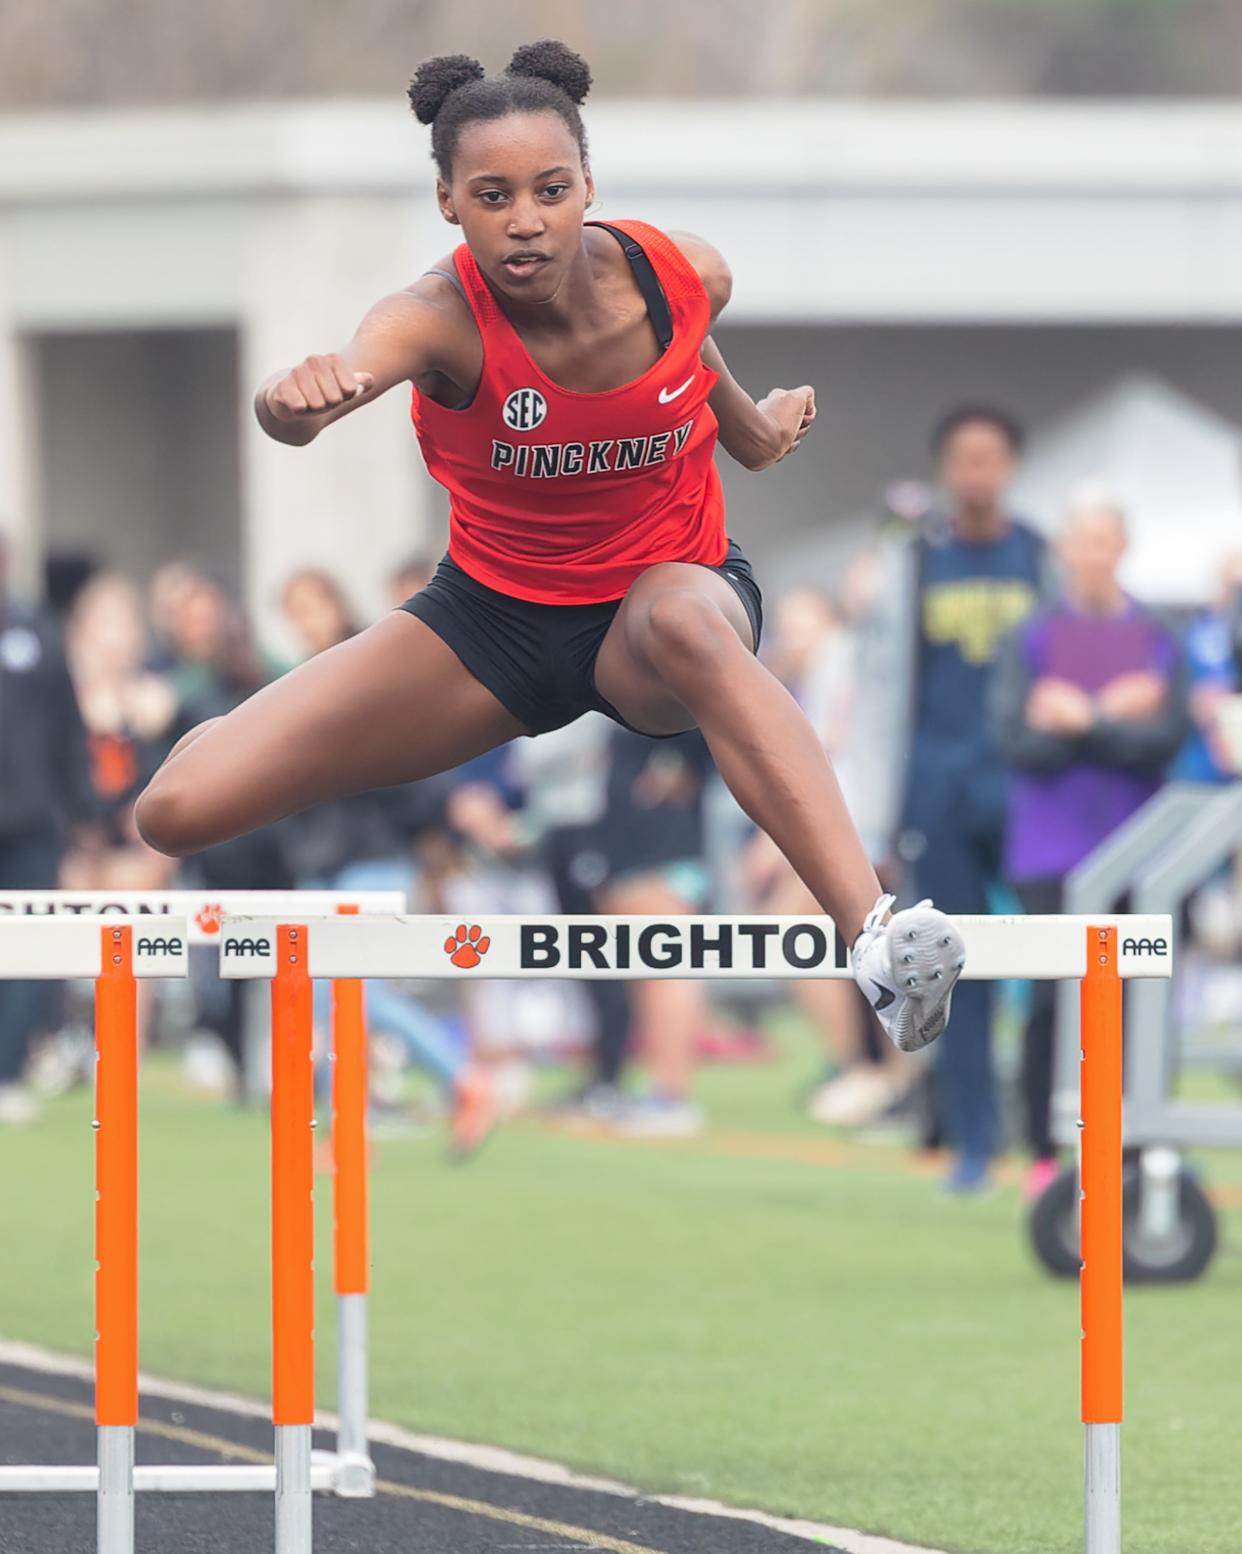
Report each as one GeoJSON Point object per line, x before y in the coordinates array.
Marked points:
{"type": "Point", "coordinates": [792, 410]}
{"type": "Point", "coordinates": [319, 383]}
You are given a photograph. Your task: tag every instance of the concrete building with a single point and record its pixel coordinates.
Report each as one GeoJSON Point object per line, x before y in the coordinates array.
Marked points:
{"type": "Point", "coordinates": [155, 266]}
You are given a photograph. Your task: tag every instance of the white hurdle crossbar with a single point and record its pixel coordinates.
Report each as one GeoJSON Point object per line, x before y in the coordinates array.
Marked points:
{"type": "Point", "coordinates": [55, 934]}
{"type": "Point", "coordinates": [203, 910]}
{"type": "Point", "coordinates": [1098, 952]}
{"type": "Point", "coordinates": [782, 948]}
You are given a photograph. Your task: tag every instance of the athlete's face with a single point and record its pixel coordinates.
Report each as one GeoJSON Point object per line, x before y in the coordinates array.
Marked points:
{"type": "Point", "coordinates": [519, 191]}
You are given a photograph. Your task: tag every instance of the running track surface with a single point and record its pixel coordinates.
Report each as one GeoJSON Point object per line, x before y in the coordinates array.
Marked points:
{"type": "Point", "coordinates": [424, 1505]}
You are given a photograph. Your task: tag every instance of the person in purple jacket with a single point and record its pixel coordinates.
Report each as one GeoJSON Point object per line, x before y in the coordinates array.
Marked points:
{"type": "Point", "coordinates": [1089, 705]}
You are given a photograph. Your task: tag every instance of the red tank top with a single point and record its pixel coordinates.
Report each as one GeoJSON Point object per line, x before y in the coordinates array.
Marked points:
{"type": "Point", "coordinates": [564, 498]}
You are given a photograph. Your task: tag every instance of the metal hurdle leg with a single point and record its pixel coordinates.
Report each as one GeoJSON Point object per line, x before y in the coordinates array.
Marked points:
{"type": "Point", "coordinates": [115, 1503]}
{"type": "Point", "coordinates": [293, 1240]}
{"type": "Point", "coordinates": [355, 1472]}
{"type": "Point", "coordinates": [116, 1238]}
{"type": "Point", "coordinates": [1101, 1276]}
{"type": "Point", "coordinates": [293, 1489]}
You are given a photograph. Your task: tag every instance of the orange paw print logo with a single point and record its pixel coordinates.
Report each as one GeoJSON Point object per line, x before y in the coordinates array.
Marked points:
{"type": "Point", "coordinates": [467, 946]}
{"type": "Point", "coordinates": [209, 918]}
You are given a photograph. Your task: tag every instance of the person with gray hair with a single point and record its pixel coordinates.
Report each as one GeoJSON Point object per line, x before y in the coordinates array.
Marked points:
{"type": "Point", "coordinates": [1089, 704]}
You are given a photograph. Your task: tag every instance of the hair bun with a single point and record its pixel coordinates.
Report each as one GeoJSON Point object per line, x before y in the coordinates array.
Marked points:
{"type": "Point", "coordinates": [551, 60]}
{"type": "Point", "coordinates": [436, 78]}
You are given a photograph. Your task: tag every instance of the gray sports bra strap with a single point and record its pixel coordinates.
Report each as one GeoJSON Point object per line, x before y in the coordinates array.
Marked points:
{"type": "Point", "coordinates": [450, 275]}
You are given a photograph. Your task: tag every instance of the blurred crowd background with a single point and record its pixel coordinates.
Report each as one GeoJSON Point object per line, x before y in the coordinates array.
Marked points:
{"type": "Point", "coordinates": [994, 704]}
{"type": "Point", "coordinates": [965, 221]}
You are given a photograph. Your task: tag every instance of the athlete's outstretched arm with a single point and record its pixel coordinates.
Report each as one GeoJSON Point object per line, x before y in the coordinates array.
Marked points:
{"type": "Point", "coordinates": [756, 435]}
{"type": "Point", "coordinates": [405, 334]}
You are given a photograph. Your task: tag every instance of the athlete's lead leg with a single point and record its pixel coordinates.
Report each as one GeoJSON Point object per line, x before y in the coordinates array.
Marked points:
{"type": "Point", "coordinates": [679, 653]}
{"type": "Point", "coordinates": [391, 705]}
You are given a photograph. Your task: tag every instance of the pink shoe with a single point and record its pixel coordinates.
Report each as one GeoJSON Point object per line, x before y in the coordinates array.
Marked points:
{"type": "Point", "coordinates": [1040, 1177]}
{"type": "Point", "coordinates": [721, 1044]}
{"type": "Point", "coordinates": [475, 1112]}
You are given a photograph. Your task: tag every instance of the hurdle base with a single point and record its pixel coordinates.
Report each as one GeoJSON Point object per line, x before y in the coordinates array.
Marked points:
{"type": "Point", "coordinates": [329, 1473]}
{"type": "Point", "coordinates": [353, 1475]}
{"type": "Point", "coordinates": [355, 1470]}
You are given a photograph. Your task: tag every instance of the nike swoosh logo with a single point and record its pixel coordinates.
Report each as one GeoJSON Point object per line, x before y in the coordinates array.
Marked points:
{"type": "Point", "coordinates": [666, 396]}
{"type": "Point", "coordinates": [887, 996]}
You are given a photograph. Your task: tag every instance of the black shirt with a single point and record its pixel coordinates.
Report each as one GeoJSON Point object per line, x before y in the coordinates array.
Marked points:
{"type": "Point", "coordinates": [45, 781]}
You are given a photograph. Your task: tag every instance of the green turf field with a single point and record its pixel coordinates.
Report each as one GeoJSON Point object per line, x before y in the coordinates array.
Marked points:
{"type": "Point", "coordinates": [759, 1316]}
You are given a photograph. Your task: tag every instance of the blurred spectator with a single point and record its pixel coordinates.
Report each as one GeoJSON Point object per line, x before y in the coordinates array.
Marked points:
{"type": "Point", "coordinates": [617, 819]}
{"type": "Point", "coordinates": [929, 785]}
{"type": "Point", "coordinates": [364, 842]}
{"type": "Point", "coordinates": [1214, 654]}
{"type": "Point", "coordinates": [220, 665]}
{"type": "Point", "coordinates": [1089, 704]}
{"type": "Point", "coordinates": [128, 711]}
{"type": "Point", "coordinates": [220, 668]}
{"type": "Point", "coordinates": [493, 852]}
{"type": "Point", "coordinates": [564, 775]}
{"type": "Point", "coordinates": [317, 611]}
{"type": "Point", "coordinates": [903, 503]}
{"type": "Point", "coordinates": [45, 796]}
{"type": "Point", "coordinates": [813, 653]}
{"type": "Point", "coordinates": [199, 616]}
{"type": "Point", "coordinates": [65, 574]}
{"type": "Point", "coordinates": [167, 596]}
{"type": "Point", "coordinates": [652, 837]}
{"type": "Point", "coordinates": [408, 579]}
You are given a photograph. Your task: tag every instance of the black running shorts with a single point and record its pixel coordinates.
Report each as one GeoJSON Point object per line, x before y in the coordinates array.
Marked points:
{"type": "Point", "coordinates": [538, 660]}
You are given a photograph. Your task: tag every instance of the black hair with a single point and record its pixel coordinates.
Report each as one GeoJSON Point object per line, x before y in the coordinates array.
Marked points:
{"type": "Point", "coordinates": [453, 90]}
{"type": "Point", "coordinates": [953, 420]}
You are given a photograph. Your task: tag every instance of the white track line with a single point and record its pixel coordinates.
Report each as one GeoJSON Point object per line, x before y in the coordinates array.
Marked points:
{"type": "Point", "coordinates": [487, 1459]}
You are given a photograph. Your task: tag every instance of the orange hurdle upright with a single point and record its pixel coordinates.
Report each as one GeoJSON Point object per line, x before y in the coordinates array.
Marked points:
{"type": "Point", "coordinates": [293, 1239]}
{"type": "Point", "coordinates": [1100, 1182]}
{"type": "Point", "coordinates": [355, 1471]}
{"type": "Point", "coordinates": [116, 1237]}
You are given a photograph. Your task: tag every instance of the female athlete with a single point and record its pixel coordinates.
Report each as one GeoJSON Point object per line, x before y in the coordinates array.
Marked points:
{"type": "Point", "coordinates": [568, 394]}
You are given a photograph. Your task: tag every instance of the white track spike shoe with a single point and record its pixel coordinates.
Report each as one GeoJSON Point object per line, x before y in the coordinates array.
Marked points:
{"type": "Point", "coordinates": [907, 969]}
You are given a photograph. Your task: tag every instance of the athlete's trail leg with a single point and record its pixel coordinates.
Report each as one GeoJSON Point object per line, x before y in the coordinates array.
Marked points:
{"type": "Point", "coordinates": [391, 705]}
{"type": "Point", "coordinates": [679, 654]}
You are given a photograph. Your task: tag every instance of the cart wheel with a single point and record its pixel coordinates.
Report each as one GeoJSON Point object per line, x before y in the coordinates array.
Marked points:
{"type": "Point", "coordinates": [1186, 1251]}
{"type": "Point", "coordinates": [1053, 1225]}
{"type": "Point", "coordinates": [1183, 1254]}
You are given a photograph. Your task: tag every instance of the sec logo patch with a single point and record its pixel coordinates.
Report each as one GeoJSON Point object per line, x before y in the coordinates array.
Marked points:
{"type": "Point", "coordinates": [525, 409]}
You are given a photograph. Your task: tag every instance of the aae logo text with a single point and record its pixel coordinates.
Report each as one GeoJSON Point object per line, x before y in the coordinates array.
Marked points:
{"type": "Point", "coordinates": [159, 947]}
{"type": "Point", "coordinates": [247, 947]}
{"type": "Point", "coordinates": [1144, 946]}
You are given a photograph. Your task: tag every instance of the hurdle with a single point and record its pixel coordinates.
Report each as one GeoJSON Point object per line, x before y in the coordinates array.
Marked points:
{"type": "Point", "coordinates": [1097, 952]}
{"type": "Point", "coordinates": [189, 918]}
{"type": "Point", "coordinates": [109, 953]}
